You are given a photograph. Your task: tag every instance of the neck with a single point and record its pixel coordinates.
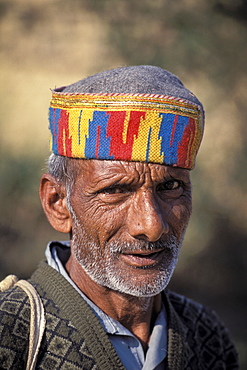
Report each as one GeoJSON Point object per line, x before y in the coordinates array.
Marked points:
{"type": "Point", "coordinates": [137, 314]}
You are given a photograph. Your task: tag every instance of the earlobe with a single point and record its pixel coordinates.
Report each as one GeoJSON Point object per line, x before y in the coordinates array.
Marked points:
{"type": "Point", "coordinates": [53, 200]}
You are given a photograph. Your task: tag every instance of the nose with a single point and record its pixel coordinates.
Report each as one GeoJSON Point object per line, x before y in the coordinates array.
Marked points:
{"type": "Point", "coordinates": [146, 220]}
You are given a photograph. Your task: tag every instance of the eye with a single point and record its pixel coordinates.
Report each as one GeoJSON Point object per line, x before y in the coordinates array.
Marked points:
{"type": "Point", "coordinates": [114, 190]}
{"type": "Point", "coordinates": [169, 185]}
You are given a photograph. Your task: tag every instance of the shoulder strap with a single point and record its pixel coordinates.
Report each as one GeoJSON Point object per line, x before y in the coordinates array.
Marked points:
{"type": "Point", "coordinates": [8, 282]}
{"type": "Point", "coordinates": [37, 317]}
{"type": "Point", "coordinates": [80, 315]}
{"type": "Point", "coordinates": [37, 322]}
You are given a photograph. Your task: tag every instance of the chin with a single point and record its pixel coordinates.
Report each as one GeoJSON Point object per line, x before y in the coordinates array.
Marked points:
{"type": "Point", "coordinates": [137, 283]}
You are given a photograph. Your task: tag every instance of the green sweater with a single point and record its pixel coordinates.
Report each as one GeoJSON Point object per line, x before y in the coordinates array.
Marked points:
{"type": "Point", "coordinates": [74, 338]}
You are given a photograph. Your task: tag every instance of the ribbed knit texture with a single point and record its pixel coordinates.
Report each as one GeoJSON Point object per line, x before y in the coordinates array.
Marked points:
{"type": "Point", "coordinates": [75, 309]}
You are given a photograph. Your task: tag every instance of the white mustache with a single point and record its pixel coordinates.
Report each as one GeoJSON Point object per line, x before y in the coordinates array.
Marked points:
{"type": "Point", "coordinates": [123, 247]}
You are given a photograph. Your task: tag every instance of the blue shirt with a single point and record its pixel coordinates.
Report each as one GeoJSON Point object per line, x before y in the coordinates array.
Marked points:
{"type": "Point", "coordinates": [127, 346]}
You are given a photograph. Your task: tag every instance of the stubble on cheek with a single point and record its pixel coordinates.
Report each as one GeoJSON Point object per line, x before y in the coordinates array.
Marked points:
{"type": "Point", "coordinates": [106, 268]}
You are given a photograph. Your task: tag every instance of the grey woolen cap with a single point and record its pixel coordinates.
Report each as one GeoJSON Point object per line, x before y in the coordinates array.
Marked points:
{"type": "Point", "coordinates": [86, 126]}
{"type": "Point", "coordinates": [143, 79]}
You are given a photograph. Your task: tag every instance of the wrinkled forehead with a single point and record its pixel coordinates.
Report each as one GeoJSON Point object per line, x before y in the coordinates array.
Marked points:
{"type": "Point", "coordinates": [91, 170]}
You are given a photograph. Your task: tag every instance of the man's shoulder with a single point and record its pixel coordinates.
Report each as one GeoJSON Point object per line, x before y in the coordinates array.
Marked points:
{"type": "Point", "coordinates": [193, 313]}
{"type": "Point", "coordinates": [13, 299]}
{"type": "Point", "coordinates": [182, 303]}
{"type": "Point", "coordinates": [14, 327]}
{"type": "Point", "coordinates": [205, 336]}
{"type": "Point", "coordinates": [15, 310]}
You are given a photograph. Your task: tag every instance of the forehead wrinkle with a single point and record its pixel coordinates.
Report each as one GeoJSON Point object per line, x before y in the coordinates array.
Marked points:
{"type": "Point", "coordinates": [118, 171]}
{"type": "Point", "coordinates": [130, 173]}
{"type": "Point", "coordinates": [105, 173]}
{"type": "Point", "coordinates": [100, 173]}
{"type": "Point", "coordinates": [105, 179]}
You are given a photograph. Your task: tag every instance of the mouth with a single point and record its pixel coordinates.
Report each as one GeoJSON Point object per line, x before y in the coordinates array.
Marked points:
{"type": "Point", "coordinates": [142, 259]}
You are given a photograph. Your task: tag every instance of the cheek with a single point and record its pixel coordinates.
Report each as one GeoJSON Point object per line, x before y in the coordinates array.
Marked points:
{"type": "Point", "coordinates": [181, 213]}
{"type": "Point", "coordinates": [183, 207]}
{"type": "Point", "coordinates": [111, 221]}
{"type": "Point", "coordinates": [87, 210]}
{"type": "Point", "coordinates": [180, 216]}
{"type": "Point", "coordinates": [99, 221]}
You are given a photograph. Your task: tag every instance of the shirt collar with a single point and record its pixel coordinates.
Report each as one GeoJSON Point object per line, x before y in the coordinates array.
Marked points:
{"type": "Point", "coordinates": [57, 254]}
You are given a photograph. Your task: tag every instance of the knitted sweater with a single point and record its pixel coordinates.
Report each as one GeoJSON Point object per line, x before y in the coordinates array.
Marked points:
{"type": "Point", "coordinates": [74, 338]}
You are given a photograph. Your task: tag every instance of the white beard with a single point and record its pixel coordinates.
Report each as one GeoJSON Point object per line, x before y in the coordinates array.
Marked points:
{"type": "Point", "coordinates": [103, 268]}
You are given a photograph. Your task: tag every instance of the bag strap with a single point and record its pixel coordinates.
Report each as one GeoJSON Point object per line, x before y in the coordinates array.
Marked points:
{"type": "Point", "coordinates": [8, 282]}
{"type": "Point", "coordinates": [37, 322]}
{"type": "Point", "coordinates": [37, 317]}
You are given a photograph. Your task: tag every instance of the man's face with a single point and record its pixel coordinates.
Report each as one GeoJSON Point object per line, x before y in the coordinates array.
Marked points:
{"type": "Point", "coordinates": [129, 220]}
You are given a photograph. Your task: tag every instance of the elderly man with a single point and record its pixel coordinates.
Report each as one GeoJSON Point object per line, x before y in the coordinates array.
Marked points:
{"type": "Point", "coordinates": [124, 142]}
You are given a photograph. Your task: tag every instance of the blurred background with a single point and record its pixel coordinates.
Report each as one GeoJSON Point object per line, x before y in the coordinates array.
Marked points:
{"type": "Point", "coordinates": [50, 43]}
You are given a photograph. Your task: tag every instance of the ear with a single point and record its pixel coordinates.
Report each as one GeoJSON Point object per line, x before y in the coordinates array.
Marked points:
{"type": "Point", "coordinates": [53, 199]}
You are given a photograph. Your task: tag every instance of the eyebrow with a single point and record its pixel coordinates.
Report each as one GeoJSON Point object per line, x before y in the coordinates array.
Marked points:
{"type": "Point", "coordinates": [107, 181]}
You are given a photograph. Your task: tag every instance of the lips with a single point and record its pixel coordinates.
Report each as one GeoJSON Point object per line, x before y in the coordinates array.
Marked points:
{"type": "Point", "coordinates": [142, 259]}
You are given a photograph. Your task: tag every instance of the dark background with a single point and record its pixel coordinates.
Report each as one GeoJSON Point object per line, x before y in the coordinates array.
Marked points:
{"type": "Point", "coordinates": [52, 43]}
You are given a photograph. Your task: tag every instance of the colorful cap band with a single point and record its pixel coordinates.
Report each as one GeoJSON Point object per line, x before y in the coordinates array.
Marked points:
{"type": "Point", "coordinates": [130, 127]}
